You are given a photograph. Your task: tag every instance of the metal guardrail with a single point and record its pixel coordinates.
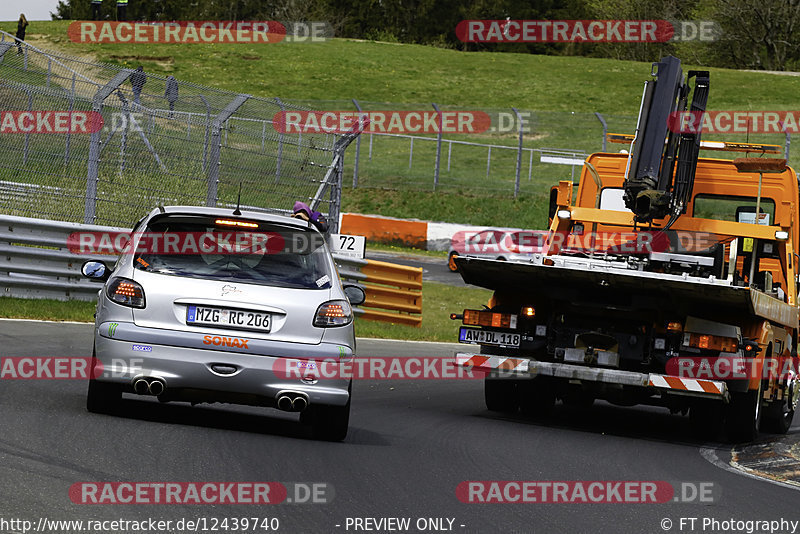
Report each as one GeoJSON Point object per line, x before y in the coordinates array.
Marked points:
{"type": "Point", "coordinates": [394, 292]}
{"type": "Point", "coordinates": [36, 263]}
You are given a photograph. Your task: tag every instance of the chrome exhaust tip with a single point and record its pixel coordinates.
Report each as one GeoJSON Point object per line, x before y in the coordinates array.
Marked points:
{"type": "Point", "coordinates": [140, 386]}
{"type": "Point", "coordinates": [157, 387]}
{"type": "Point", "coordinates": [285, 403]}
{"type": "Point", "coordinates": [299, 404]}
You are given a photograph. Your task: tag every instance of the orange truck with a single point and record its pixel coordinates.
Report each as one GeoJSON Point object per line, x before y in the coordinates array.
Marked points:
{"type": "Point", "coordinates": [666, 279]}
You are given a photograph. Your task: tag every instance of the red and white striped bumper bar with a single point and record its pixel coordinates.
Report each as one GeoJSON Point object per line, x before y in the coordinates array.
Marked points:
{"type": "Point", "coordinates": [520, 368]}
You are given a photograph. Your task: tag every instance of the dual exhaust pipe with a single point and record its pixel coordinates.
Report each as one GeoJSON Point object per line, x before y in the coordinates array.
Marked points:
{"type": "Point", "coordinates": [149, 386]}
{"type": "Point", "coordinates": [290, 401]}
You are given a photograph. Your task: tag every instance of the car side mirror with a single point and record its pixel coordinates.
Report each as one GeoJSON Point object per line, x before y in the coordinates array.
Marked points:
{"type": "Point", "coordinates": [355, 294]}
{"type": "Point", "coordinates": [96, 271]}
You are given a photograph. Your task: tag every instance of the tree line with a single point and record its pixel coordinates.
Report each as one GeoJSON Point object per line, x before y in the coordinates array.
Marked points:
{"type": "Point", "coordinates": [751, 34]}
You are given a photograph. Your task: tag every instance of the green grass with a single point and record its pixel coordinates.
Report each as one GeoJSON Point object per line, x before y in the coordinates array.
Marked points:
{"type": "Point", "coordinates": [47, 309]}
{"type": "Point", "coordinates": [525, 212]}
{"type": "Point", "coordinates": [438, 302]}
{"type": "Point", "coordinates": [342, 69]}
{"type": "Point", "coordinates": [382, 247]}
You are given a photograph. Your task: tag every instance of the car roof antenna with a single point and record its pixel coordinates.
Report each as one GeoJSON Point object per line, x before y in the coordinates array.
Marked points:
{"type": "Point", "coordinates": [238, 200]}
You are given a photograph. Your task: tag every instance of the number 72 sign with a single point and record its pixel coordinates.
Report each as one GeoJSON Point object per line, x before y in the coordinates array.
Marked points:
{"type": "Point", "coordinates": [351, 246]}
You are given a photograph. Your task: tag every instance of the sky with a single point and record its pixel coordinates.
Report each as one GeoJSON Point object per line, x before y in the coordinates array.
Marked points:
{"type": "Point", "coordinates": [33, 9]}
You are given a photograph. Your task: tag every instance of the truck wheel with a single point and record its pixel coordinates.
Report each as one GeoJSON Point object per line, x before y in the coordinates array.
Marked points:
{"type": "Point", "coordinates": [102, 397]}
{"type": "Point", "coordinates": [706, 419]}
{"type": "Point", "coordinates": [537, 397]}
{"type": "Point", "coordinates": [744, 416]}
{"type": "Point", "coordinates": [451, 262]}
{"type": "Point", "coordinates": [778, 417]}
{"type": "Point", "coordinates": [500, 394]}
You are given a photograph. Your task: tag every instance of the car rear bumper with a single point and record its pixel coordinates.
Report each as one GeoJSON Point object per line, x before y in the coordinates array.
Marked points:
{"type": "Point", "coordinates": [240, 375]}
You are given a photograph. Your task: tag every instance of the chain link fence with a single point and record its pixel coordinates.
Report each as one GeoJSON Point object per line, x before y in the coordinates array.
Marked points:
{"type": "Point", "coordinates": [165, 141]}
{"type": "Point", "coordinates": [160, 141]}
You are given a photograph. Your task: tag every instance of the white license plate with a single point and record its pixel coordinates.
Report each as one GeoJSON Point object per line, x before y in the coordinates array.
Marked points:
{"type": "Point", "coordinates": [488, 337]}
{"type": "Point", "coordinates": [250, 320]}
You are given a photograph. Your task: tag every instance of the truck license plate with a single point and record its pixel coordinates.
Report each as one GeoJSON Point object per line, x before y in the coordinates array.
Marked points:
{"type": "Point", "coordinates": [488, 337]}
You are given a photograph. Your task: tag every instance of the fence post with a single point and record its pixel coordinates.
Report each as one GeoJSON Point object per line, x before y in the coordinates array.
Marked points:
{"type": "Point", "coordinates": [92, 168]}
{"type": "Point", "coordinates": [787, 144]}
{"type": "Point", "coordinates": [438, 148]}
{"type": "Point", "coordinates": [336, 168]}
{"type": "Point", "coordinates": [519, 152]}
{"type": "Point", "coordinates": [605, 129]}
{"type": "Point", "coordinates": [358, 146]}
{"type": "Point", "coordinates": [216, 147]}
{"type": "Point", "coordinates": [208, 126]}
{"type": "Point", "coordinates": [27, 135]}
{"type": "Point", "coordinates": [280, 145]}
{"type": "Point", "coordinates": [69, 133]}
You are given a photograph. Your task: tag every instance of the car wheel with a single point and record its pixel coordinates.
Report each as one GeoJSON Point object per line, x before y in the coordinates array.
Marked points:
{"type": "Point", "coordinates": [102, 397]}
{"type": "Point", "coordinates": [451, 262]}
{"type": "Point", "coordinates": [329, 423]}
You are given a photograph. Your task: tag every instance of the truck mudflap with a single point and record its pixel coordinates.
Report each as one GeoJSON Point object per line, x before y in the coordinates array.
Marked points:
{"type": "Point", "coordinates": [522, 368]}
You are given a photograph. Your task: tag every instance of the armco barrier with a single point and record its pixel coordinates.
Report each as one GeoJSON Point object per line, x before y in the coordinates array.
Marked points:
{"type": "Point", "coordinates": [35, 263]}
{"type": "Point", "coordinates": [394, 292]}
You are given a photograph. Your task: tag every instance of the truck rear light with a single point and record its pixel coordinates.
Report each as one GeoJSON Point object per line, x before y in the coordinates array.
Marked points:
{"type": "Point", "coordinates": [487, 318]}
{"type": "Point", "coordinates": [709, 342]}
{"type": "Point", "coordinates": [126, 292]}
{"type": "Point", "coordinates": [674, 326]}
{"type": "Point", "coordinates": [529, 311]}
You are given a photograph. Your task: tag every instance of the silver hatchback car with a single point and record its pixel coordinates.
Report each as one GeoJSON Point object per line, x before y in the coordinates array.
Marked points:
{"type": "Point", "coordinates": [210, 305]}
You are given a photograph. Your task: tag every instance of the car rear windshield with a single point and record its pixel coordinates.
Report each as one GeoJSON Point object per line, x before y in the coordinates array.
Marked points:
{"type": "Point", "coordinates": [233, 250]}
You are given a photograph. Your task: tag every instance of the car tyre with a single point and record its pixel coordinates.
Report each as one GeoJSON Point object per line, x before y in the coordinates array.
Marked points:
{"type": "Point", "coordinates": [537, 397]}
{"type": "Point", "coordinates": [706, 419]}
{"type": "Point", "coordinates": [451, 262]}
{"type": "Point", "coordinates": [102, 397]}
{"type": "Point", "coordinates": [328, 423]}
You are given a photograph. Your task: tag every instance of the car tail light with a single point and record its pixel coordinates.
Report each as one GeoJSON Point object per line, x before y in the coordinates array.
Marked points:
{"type": "Point", "coordinates": [487, 318]}
{"type": "Point", "coordinates": [126, 292]}
{"type": "Point", "coordinates": [333, 313]}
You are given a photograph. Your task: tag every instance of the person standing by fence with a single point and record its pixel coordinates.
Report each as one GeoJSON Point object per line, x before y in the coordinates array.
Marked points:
{"type": "Point", "coordinates": [96, 4]}
{"type": "Point", "coordinates": [22, 24]}
{"type": "Point", "coordinates": [171, 94]}
{"type": "Point", "coordinates": [138, 79]}
{"type": "Point", "coordinates": [122, 9]}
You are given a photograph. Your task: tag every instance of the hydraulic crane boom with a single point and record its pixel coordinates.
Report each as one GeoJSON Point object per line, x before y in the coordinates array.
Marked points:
{"type": "Point", "coordinates": [662, 165]}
